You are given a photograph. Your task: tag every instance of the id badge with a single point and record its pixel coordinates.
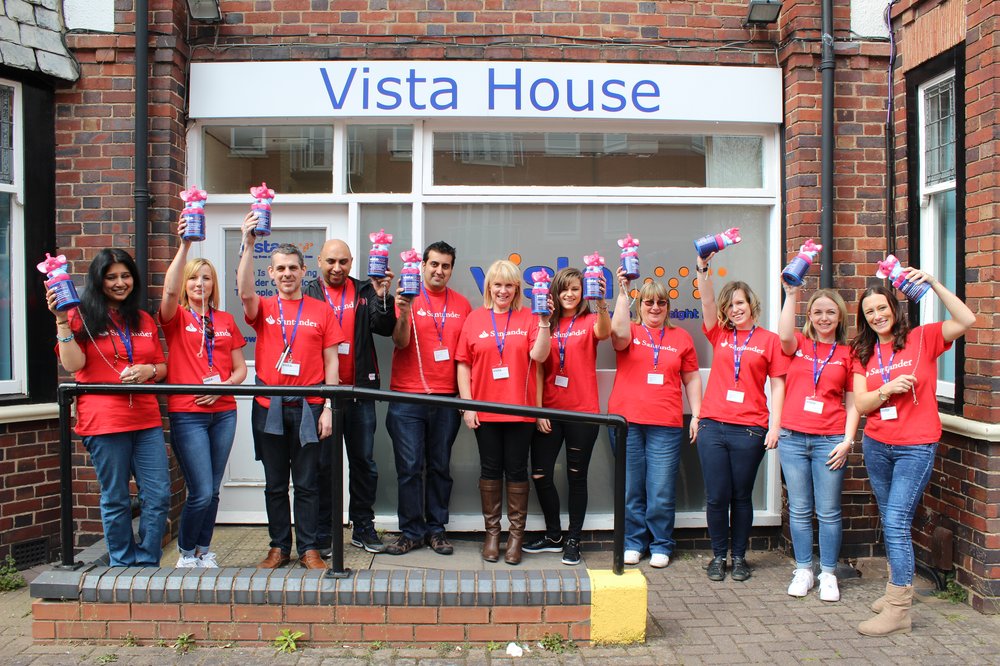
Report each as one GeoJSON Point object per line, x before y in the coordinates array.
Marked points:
{"type": "Point", "coordinates": [655, 378]}
{"type": "Point", "coordinates": [562, 381]}
{"type": "Point", "coordinates": [290, 368]}
{"type": "Point", "coordinates": [888, 413]}
{"type": "Point", "coordinates": [344, 348]}
{"type": "Point", "coordinates": [212, 378]}
{"type": "Point", "coordinates": [732, 395]}
{"type": "Point", "coordinates": [813, 405]}
{"type": "Point", "coordinates": [441, 355]}
{"type": "Point", "coordinates": [503, 372]}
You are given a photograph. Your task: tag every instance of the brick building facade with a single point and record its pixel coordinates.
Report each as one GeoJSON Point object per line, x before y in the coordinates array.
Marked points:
{"type": "Point", "coordinates": [94, 139]}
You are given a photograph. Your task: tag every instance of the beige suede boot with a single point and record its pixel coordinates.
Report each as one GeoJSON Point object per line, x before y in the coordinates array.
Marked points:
{"type": "Point", "coordinates": [879, 604]}
{"type": "Point", "coordinates": [895, 617]}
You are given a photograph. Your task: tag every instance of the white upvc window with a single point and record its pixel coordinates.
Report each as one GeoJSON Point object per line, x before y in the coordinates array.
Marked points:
{"type": "Point", "coordinates": [13, 353]}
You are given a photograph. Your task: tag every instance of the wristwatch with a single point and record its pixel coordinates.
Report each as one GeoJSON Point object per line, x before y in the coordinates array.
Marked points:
{"type": "Point", "coordinates": [882, 396]}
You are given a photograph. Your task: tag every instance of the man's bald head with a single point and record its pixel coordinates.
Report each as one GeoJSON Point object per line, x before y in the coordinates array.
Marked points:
{"type": "Point", "coordinates": [335, 262]}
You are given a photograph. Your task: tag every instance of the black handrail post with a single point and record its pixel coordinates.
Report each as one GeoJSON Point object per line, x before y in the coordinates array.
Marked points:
{"type": "Point", "coordinates": [65, 398]}
{"type": "Point", "coordinates": [618, 547]}
{"type": "Point", "coordinates": [336, 490]}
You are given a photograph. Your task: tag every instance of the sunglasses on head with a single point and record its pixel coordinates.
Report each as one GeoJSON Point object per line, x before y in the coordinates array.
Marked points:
{"type": "Point", "coordinates": [650, 303]}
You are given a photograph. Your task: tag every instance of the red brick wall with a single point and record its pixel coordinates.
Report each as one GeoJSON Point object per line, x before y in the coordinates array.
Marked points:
{"type": "Point", "coordinates": [29, 485]}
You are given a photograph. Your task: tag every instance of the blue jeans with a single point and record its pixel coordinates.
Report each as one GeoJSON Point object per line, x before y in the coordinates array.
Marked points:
{"type": "Point", "coordinates": [730, 455]}
{"type": "Point", "coordinates": [201, 442]}
{"type": "Point", "coordinates": [652, 456]}
{"type": "Point", "coordinates": [116, 457]}
{"type": "Point", "coordinates": [422, 438]}
{"type": "Point", "coordinates": [898, 475]}
{"type": "Point", "coordinates": [811, 484]}
{"type": "Point", "coordinates": [359, 438]}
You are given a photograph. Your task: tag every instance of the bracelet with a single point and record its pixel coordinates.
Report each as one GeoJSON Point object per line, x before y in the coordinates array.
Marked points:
{"type": "Point", "coordinates": [153, 378]}
{"type": "Point", "coordinates": [64, 322]}
{"type": "Point", "coordinates": [702, 270]}
{"type": "Point", "coordinates": [882, 396]}
{"type": "Point", "coordinates": [68, 338]}
{"type": "Point", "coordinates": [545, 326]}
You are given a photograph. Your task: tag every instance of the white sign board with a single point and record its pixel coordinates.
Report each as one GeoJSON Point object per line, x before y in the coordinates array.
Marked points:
{"type": "Point", "coordinates": [475, 89]}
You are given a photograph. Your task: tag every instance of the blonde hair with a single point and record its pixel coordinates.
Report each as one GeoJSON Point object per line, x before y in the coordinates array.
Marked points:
{"type": "Point", "coordinates": [726, 300]}
{"type": "Point", "coordinates": [655, 291]}
{"type": "Point", "coordinates": [502, 270]}
{"type": "Point", "coordinates": [841, 333]}
{"type": "Point", "coordinates": [192, 267]}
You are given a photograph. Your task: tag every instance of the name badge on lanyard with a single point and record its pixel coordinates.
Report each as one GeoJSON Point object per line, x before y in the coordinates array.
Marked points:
{"type": "Point", "coordinates": [285, 364]}
{"type": "Point", "coordinates": [441, 355]}
{"type": "Point", "coordinates": [813, 406]}
{"type": "Point", "coordinates": [502, 372]}
{"type": "Point", "coordinates": [562, 381]}
{"type": "Point", "coordinates": [888, 413]}
{"type": "Point", "coordinates": [290, 368]}
{"type": "Point", "coordinates": [655, 378]}
{"type": "Point", "coordinates": [732, 395]}
{"type": "Point", "coordinates": [212, 378]}
{"type": "Point", "coordinates": [344, 348]}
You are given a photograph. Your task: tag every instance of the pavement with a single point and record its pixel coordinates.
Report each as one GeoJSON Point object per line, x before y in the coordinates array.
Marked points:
{"type": "Point", "coordinates": [690, 620]}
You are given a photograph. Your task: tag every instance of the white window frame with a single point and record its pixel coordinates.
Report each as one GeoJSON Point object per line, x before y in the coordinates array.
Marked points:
{"type": "Point", "coordinates": [17, 385]}
{"type": "Point", "coordinates": [930, 241]}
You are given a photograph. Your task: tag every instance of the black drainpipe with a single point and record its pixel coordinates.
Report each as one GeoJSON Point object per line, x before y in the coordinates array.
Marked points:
{"type": "Point", "coordinates": [826, 67]}
{"type": "Point", "coordinates": [141, 191]}
{"type": "Point", "coordinates": [890, 143]}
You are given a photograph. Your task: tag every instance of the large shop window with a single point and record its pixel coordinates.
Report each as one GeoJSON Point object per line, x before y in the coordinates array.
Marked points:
{"type": "Point", "coordinates": [939, 247]}
{"type": "Point", "coordinates": [290, 159]}
{"type": "Point", "coordinates": [12, 336]}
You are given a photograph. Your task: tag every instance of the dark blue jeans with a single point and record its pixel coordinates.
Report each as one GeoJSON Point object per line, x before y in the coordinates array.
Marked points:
{"type": "Point", "coordinates": [422, 438]}
{"type": "Point", "coordinates": [201, 442]}
{"type": "Point", "coordinates": [730, 455]}
{"type": "Point", "coordinates": [359, 438]}
{"type": "Point", "coordinates": [284, 455]}
{"type": "Point", "coordinates": [898, 475]}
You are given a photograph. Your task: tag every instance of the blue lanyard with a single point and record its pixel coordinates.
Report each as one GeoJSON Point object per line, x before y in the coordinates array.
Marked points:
{"type": "Point", "coordinates": [444, 313]}
{"type": "Point", "coordinates": [884, 371]}
{"type": "Point", "coordinates": [501, 341]}
{"type": "Point", "coordinates": [817, 371]}
{"type": "Point", "coordinates": [343, 297]}
{"type": "Point", "coordinates": [656, 347]}
{"type": "Point", "coordinates": [562, 340]}
{"type": "Point", "coordinates": [126, 339]}
{"type": "Point", "coordinates": [295, 329]}
{"type": "Point", "coordinates": [738, 353]}
{"type": "Point", "coordinates": [209, 341]}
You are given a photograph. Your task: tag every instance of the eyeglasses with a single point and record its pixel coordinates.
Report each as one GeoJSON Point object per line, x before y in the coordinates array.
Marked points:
{"type": "Point", "coordinates": [650, 303]}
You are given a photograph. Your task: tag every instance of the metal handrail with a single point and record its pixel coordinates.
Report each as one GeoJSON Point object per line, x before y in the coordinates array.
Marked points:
{"type": "Point", "coordinates": [338, 395]}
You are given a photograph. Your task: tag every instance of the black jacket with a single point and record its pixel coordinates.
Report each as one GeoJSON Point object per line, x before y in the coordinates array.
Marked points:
{"type": "Point", "coordinates": [380, 320]}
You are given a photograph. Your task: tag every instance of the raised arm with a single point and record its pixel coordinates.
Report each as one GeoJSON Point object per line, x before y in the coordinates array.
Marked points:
{"type": "Point", "coordinates": [173, 281]}
{"type": "Point", "coordinates": [709, 309]}
{"type": "Point", "coordinates": [401, 330]}
{"type": "Point", "coordinates": [786, 321]}
{"type": "Point", "coordinates": [621, 326]}
{"type": "Point", "coordinates": [543, 343]}
{"type": "Point", "coordinates": [962, 317]}
{"type": "Point", "coordinates": [244, 271]}
{"type": "Point", "coordinates": [602, 327]}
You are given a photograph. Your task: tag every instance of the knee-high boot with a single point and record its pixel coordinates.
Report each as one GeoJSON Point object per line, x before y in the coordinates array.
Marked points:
{"type": "Point", "coordinates": [491, 493]}
{"type": "Point", "coordinates": [517, 514]}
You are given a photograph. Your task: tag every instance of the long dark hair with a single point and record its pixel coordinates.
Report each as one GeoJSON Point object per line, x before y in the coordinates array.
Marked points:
{"type": "Point", "coordinates": [560, 281]}
{"type": "Point", "coordinates": [93, 303]}
{"type": "Point", "coordinates": [863, 344]}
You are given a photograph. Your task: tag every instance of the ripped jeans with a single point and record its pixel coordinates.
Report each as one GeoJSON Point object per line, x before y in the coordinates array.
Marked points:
{"type": "Point", "coordinates": [545, 447]}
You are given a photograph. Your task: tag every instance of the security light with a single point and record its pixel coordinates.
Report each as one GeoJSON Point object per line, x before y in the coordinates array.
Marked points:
{"type": "Point", "coordinates": [762, 12]}
{"type": "Point", "coordinates": [204, 11]}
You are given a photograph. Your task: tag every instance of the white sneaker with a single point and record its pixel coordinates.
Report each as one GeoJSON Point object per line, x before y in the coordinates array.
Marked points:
{"type": "Point", "coordinates": [659, 560]}
{"type": "Point", "coordinates": [632, 557]}
{"type": "Point", "coordinates": [802, 582]}
{"type": "Point", "coordinates": [188, 562]}
{"type": "Point", "coordinates": [208, 561]}
{"type": "Point", "coordinates": [828, 590]}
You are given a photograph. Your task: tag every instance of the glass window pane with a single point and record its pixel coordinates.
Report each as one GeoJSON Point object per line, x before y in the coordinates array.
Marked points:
{"type": "Point", "coordinates": [939, 132]}
{"type": "Point", "coordinates": [379, 158]}
{"type": "Point", "coordinates": [6, 316]}
{"type": "Point", "coordinates": [6, 135]}
{"type": "Point", "coordinates": [557, 236]}
{"type": "Point", "coordinates": [564, 159]}
{"type": "Point", "coordinates": [290, 159]}
{"type": "Point", "coordinates": [946, 269]}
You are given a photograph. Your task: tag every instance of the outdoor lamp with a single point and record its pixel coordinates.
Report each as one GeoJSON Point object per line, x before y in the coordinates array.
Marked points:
{"type": "Point", "coordinates": [762, 12]}
{"type": "Point", "coordinates": [204, 11]}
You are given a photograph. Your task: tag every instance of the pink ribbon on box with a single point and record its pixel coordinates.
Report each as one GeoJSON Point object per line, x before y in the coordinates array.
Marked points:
{"type": "Point", "coordinates": [53, 265]}
{"type": "Point", "coordinates": [810, 248]}
{"type": "Point", "coordinates": [262, 193]}
{"type": "Point", "coordinates": [886, 267]}
{"type": "Point", "coordinates": [380, 237]}
{"type": "Point", "coordinates": [193, 196]}
{"type": "Point", "coordinates": [629, 243]}
{"type": "Point", "coordinates": [410, 256]}
{"type": "Point", "coordinates": [593, 260]}
{"type": "Point", "coordinates": [733, 234]}
{"type": "Point", "coordinates": [541, 280]}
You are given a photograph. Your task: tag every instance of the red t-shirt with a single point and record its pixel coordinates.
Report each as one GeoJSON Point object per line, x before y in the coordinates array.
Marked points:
{"type": "Point", "coordinates": [187, 362]}
{"type": "Point", "coordinates": [342, 302]}
{"type": "Point", "coordinates": [436, 321]}
{"type": "Point", "coordinates": [761, 359]}
{"type": "Point", "coordinates": [835, 380]}
{"type": "Point", "coordinates": [477, 346]}
{"type": "Point", "coordinates": [634, 396]}
{"type": "Point", "coordinates": [914, 423]}
{"type": "Point", "coordinates": [576, 389]}
{"type": "Point", "coordinates": [108, 414]}
{"type": "Point", "coordinates": [317, 330]}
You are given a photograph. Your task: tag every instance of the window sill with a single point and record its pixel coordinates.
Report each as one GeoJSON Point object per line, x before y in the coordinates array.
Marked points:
{"type": "Point", "coordinates": [22, 413]}
{"type": "Point", "coordinates": [987, 432]}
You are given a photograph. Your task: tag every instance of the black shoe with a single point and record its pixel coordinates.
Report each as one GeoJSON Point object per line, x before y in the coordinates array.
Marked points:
{"type": "Point", "coordinates": [326, 553]}
{"type": "Point", "coordinates": [716, 569]}
{"type": "Point", "coordinates": [402, 545]}
{"type": "Point", "coordinates": [741, 571]}
{"type": "Point", "coordinates": [571, 552]}
{"type": "Point", "coordinates": [439, 544]}
{"type": "Point", "coordinates": [366, 537]}
{"type": "Point", "coordinates": [544, 544]}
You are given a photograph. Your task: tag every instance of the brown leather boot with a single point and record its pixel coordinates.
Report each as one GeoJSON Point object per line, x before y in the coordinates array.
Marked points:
{"type": "Point", "coordinates": [895, 616]}
{"type": "Point", "coordinates": [311, 559]}
{"type": "Point", "coordinates": [275, 558]}
{"type": "Point", "coordinates": [517, 514]}
{"type": "Point", "coordinates": [491, 492]}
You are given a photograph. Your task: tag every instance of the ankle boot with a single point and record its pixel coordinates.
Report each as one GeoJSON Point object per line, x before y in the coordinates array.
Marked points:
{"type": "Point", "coordinates": [895, 617]}
{"type": "Point", "coordinates": [517, 514]}
{"type": "Point", "coordinates": [879, 604]}
{"type": "Point", "coordinates": [491, 492]}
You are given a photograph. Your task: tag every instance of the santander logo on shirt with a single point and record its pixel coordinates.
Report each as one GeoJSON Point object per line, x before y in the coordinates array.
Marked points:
{"type": "Point", "coordinates": [437, 315]}
{"type": "Point", "coordinates": [191, 328]}
{"type": "Point", "coordinates": [799, 353]}
{"type": "Point", "coordinates": [291, 322]}
{"type": "Point", "coordinates": [646, 343]}
{"type": "Point", "coordinates": [726, 343]}
{"type": "Point", "coordinates": [134, 334]}
{"type": "Point", "coordinates": [903, 363]}
{"type": "Point", "coordinates": [494, 334]}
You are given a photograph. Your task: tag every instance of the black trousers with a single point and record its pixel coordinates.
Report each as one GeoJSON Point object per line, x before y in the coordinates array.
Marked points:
{"type": "Point", "coordinates": [503, 449]}
{"type": "Point", "coordinates": [545, 447]}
